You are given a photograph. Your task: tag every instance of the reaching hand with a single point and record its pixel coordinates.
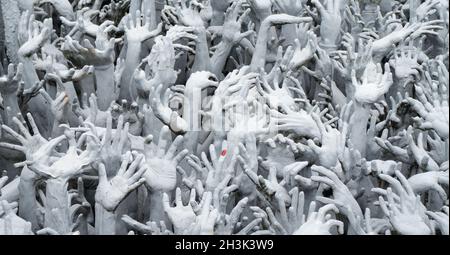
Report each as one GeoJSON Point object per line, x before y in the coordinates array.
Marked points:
{"type": "Point", "coordinates": [30, 36]}
{"type": "Point", "coordinates": [330, 22]}
{"type": "Point", "coordinates": [434, 114]}
{"type": "Point", "coordinates": [404, 208]}
{"type": "Point", "coordinates": [138, 30]}
{"type": "Point", "coordinates": [372, 87]}
{"type": "Point", "coordinates": [162, 162]}
{"type": "Point", "coordinates": [64, 167]}
{"type": "Point", "coordinates": [181, 216]}
{"type": "Point", "coordinates": [320, 223]}
{"type": "Point", "coordinates": [32, 144]}
{"type": "Point", "coordinates": [111, 192]}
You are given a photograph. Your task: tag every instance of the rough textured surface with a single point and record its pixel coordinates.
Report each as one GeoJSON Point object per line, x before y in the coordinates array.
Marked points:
{"type": "Point", "coordinates": [10, 17]}
{"type": "Point", "coordinates": [224, 117]}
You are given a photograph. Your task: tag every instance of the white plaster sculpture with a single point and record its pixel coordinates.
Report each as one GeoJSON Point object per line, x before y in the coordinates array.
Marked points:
{"type": "Point", "coordinates": [224, 117]}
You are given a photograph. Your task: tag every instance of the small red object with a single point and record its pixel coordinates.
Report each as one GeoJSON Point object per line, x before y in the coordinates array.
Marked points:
{"type": "Point", "coordinates": [223, 153]}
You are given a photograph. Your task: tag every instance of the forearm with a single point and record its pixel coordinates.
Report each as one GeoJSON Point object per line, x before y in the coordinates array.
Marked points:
{"type": "Point", "coordinates": [329, 39]}
{"type": "Point", "coordinates": [151, 126]}
{"type": "Point", "coordinates": [106, 89]}
{"type": "Point", "coordinates": [57, 214]}
{"type": "Point", "coordinates": [27, 201]}
{"type": "Point", "coordinates": [30, 76]}
{"type": "Point", "coordinates": [191, 142]}
{"type": "Point", "coordinates": [328, 47]}
{"type": "Point", "coordinates": [220, 57]}
{"type": "Point", "coordinates": [202, 61]}
{"type": "Point", "coordinates": [69, 89]}
{"type": "Point", "coordinates": [358, 133]}
{"type": "Point", "coordinates": [11, 17]}
{"type": "Point", "coordinates": [38, 106]}
{"type": "Point", "coordinates": [381, 46]}
{"type": "Point", "coordinates": [10, 102]}
{"type": "Point", "coordinates": [131, 63]}
{"type": "Point", "coordinates": [259, 56]}
{"type": "Point", "coordinates": [338, 98]}
{"type": "Point", "coordinates": [349, 90]}
{"type": "Point", "coordinates": [87, 85]}
{"type": "Point", "coordinates": [260, 19]}
{"type": "Point", "coordinates": [247, 45]}
{"type": "Point", "coordinates": [105, 221]}
{"type": "Point", "coordinates": [156, 209]}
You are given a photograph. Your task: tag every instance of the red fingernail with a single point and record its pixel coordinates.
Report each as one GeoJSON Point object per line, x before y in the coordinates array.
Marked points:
{"type": "Point", "coordinates": [224, 152]}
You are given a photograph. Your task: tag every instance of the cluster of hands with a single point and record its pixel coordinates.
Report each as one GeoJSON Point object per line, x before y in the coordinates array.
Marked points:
{"type": "Point", "coordinates": [225, 117]}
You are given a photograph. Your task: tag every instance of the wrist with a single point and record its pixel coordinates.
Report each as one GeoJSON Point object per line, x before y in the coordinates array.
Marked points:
{"type": "Point", "coordinates": [105, 205]}
{"type": "Point", "coordinates": [10, 100]}
{"type": "Point", "coordinates": [397, 36]}
{"type": "Point", "coordinates": [226, 45]}
{"type": "Point", "coordinates": [27, 176]}
{"type": "Point", "coordinates": [26, 184]}
{"type": "Point", "coordinates": [133, 49]}
{"type": "Point", "coordinates": [266, 24]}
{"type": "Point", "coordinates": [200, 31]}
{"type": "Point", "coordinates": [328, 46]}
{"type": "Point", "coordinates": [102, 68]}
{"type": "Point", "coordinates": [157, 213]}
{"type": "Point", "coordinates": [105, 221]}
{"type": "Point", "coordinates": [57, 213]}
{"type": "Point", "coordinates": [23, 53]}
{"type": "Point", "coordinates": [56, 184]}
